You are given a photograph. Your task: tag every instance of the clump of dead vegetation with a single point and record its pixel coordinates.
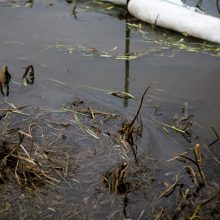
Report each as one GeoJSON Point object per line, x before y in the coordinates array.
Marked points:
{"type": "Point", "coordinates": [195, 196]}
{"type": "Point", "coordinates": [29, 159]}
{"type": "Point", "coordinates": [24, 162]}
{"type": "Point", "coordinates": [29, 164]}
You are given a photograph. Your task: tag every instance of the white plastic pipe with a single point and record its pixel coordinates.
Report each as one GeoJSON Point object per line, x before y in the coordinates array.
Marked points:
{"type": "Point", "coordinates": [124, 2]}
{"type": "Point", "coordinates": [176, 17]}
{"type": "Point", "coordinates": [119, 2]}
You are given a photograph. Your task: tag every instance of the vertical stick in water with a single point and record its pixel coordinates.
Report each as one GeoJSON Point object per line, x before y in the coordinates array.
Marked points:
{"type": "Point", "coordinates": [127, 61]}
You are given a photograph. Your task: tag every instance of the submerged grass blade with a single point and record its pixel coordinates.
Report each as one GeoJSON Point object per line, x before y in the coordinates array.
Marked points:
{"type": "Point", "coordinates": [83, 127]}
{"type": "Point", "coordinates": [119, 94]}
{"type": "Point", "coordinates": [195, 212]}
{"type": "Point", "coordinates": [173, 127]}
{"type": "Point", "coordinates": [169, 190]}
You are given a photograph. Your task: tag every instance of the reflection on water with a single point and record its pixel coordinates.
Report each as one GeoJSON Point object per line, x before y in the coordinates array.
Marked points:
{"type": "Point", "coordinates": [127, 47]}
{"type": "Point", "coordinates": [218, 5]}
{"type": "Point", "coordinates": [30, 3]}
{"type": "Point", "coordinates": [5, 78]}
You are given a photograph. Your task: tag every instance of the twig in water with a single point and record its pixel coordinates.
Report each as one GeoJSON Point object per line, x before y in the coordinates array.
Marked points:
{"type": "Point", "coordinates": [163, 215]}
{"type": "Point", "coordinates": [170, 189]}
{"type": "Point", "coordinates": [128, 130]}
{"type": "Point", "coordinates": [192, 174]}
{"type": "Point", "coordinates": [216, 134]}
{"type": "Point", "coordinates": [139, 108]}
{"type": "Point", "coordinates": [196, 210]}
{"type": "Point", "coordinates": [196, 162]}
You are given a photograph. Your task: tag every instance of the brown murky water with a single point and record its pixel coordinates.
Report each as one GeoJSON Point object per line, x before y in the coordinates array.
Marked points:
{"type": "Point", "coordinates": [99, 48]}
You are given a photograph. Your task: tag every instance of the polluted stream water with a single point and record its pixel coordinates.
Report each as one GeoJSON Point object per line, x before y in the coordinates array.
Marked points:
{"type": "Point", "coordinates": [105, 117]}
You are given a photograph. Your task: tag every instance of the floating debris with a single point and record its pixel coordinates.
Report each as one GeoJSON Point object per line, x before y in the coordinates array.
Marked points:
{"type": "Point", "coordinates": [16, 161]}
{"type": "Point", "coordinates": [5, 78]}
{"type": "Point", "coordinates": [33, 158]}
{"type": "Point", "coordinates": [119, 94]}
{"type": "Point", "coordinates": [29, 75]}
{"type": "Point", "coordinates": [114, 180]}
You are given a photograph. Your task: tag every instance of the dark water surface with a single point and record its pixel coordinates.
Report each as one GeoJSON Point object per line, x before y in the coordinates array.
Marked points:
{"type": "Point", "coordinates": [89, 49]}
{"type": "Point", "coordinates": [28, 33]}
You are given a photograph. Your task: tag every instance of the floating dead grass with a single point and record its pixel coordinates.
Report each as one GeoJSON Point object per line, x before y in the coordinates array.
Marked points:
{"type": "Point", "coordinates": [31, 160]}
{"type": "Point", "coordinates": [28, 164]}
